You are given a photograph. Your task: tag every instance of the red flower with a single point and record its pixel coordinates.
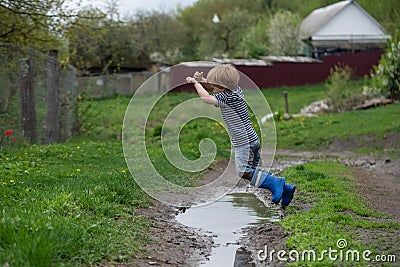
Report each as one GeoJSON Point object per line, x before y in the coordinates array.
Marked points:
{"type": "Point", "coordinates": [9, 132]}
{"type": "Point", "coordinates": [14, 140]}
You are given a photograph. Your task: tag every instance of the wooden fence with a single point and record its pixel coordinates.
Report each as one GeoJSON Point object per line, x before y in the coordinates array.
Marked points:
{"type": "Point", "coordinates": [37, 96]}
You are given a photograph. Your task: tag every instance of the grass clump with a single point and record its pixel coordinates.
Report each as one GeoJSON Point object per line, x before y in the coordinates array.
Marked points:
{"type": "Point", "coordinates": [336, 213]}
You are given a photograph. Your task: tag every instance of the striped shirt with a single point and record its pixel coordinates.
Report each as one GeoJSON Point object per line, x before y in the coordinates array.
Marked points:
{"type": "Point", "coordinates": [236, 117]}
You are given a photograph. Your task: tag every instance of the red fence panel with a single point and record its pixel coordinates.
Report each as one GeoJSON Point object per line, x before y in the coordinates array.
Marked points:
{"type": "Point", "coordinates": [287, 73]}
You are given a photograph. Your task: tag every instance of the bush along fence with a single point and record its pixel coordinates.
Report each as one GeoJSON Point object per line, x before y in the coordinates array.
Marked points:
{"type": "Point", "coordinates": [37, 96]}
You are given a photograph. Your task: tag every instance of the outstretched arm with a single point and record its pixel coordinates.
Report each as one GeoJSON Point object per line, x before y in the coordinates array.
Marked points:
{"type": "Point", "coordinates": [204, 95]}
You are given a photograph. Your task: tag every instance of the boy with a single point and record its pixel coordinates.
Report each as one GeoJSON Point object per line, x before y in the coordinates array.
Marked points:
{"type": "Point", "coordinates": [228, 96]}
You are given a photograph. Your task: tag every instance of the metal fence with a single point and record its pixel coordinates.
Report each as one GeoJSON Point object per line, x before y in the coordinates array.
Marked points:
{"type": "Point", "coordinates": [124, 83]}
{"type": "Point", "coordinates": [37, 96]}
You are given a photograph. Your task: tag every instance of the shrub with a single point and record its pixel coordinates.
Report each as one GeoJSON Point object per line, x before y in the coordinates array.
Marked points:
{"type": "Point", "coordinates": [386, 76]}
{"type": "Point", "coordinates": [371, 92]}
{"type": "Point", "coordinates": [340, 95]}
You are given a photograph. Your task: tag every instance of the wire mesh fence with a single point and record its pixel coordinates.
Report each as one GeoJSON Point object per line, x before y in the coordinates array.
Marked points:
{"type": "Point", "coordinates": [37, 96]}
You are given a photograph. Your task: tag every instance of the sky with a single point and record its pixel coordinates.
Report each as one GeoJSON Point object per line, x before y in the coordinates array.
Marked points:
{"type": "Point", "coordinates": [149, 5]}
{"type": "Point", "coordinates": [130, 7]}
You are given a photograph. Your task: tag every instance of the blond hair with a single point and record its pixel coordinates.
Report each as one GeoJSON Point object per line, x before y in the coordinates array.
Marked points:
{"type": "Point", "coordinates": [225, 75]}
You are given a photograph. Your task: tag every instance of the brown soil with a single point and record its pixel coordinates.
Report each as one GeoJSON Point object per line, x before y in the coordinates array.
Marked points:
{"type": "Point", "coordinates": [171, 244]}
{"type": "Point", "coordinates": [377, 179]}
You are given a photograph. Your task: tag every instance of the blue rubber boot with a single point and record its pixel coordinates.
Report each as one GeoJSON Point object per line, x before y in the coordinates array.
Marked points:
{"type": "Point", "coordinates": [287, 196]}
{"type": "Point", "coordinates": [274, 184]}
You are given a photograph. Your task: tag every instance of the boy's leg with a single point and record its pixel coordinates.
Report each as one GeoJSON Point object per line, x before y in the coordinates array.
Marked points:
{"type": "Point", "coordinates": [247, 159]}
{"type": "Point", "coordinates": [244, 158]}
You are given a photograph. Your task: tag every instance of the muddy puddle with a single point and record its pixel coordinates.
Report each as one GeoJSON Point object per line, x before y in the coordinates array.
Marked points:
{"type": "Point", "coordinates": [225, 220]}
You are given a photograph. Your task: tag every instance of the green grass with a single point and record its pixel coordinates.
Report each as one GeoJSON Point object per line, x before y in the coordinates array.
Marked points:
{"type": "Point", "coordinates": [314, 133]}
{"type": "Point", "coordinates": [298, 97]}
{"type": "Point", "coordinates": [75, 203]}
{"type": "Point", "coordinates": [336, 213]}
{"type": "Point", "coordinates": [68, 205]}
{"type": "Point", "coordinates": [102, 119]}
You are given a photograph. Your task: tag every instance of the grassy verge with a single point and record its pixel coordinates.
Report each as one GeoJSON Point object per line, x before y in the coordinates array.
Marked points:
{"type": "Point", "coordinates": [336, 212]}
{"type": "Point", "coordinates": [68, 205]}
{"type": "Point", "coordinates": [319, 132]}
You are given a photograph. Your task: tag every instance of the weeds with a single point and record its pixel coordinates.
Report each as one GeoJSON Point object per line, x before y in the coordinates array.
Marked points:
{"type": "Point", "coordinates": [336, 213]}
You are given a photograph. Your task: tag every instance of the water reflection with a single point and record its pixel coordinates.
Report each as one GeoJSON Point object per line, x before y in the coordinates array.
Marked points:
{"type": "Point", "coordinates": [225, 219]}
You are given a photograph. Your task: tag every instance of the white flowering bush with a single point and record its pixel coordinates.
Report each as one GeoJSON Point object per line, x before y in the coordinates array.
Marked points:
{"type": "Point", "coordinates": [371, 92]}
{"type": "Point", "coordinates": [386, 76]}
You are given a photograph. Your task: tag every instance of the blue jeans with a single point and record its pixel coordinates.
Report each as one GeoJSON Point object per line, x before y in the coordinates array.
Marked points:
{"type": "Point", "coordinates": [248, 159]}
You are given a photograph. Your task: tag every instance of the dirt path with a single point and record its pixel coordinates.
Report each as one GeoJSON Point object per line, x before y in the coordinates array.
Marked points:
{"type": "Point", "coordinates": [377, 182]}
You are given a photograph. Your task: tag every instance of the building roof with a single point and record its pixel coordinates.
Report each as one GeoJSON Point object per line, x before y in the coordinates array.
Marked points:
{"type": "Point", "coordinates": [342, 24]}
{"type": "Point", "coordinates": [234, 61]}
{"type": "Point", "coordinates": [290, 59]}
{"type": "Point", "coordinates": [319, 17]}
{"type": "Point", "coordinates": [241, 62]}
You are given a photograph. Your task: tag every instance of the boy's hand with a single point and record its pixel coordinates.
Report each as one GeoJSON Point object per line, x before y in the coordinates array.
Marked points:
{"type": "Point", "coordinates": [191, 80]}
{"type": "Point", "coordinates": [199, 77]}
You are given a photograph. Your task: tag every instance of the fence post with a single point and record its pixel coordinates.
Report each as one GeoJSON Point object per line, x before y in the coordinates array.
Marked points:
{"type": "Point", "coordinates": [52, 79]}
{"type": "Point", "coordinates": [67, 103]}
{"type": "Point", "coordinates": [285, 96]}
{"type": "Point", "coordinates": [27, 100]}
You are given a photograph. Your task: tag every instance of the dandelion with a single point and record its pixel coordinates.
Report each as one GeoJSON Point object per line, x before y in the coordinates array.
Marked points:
{"type": "Point", "coordinates": [123, 171]}
{"type": "Point", "coordinates": [4, 183]}
{"type": "Point", "coordinates": [78, 147]}
{"type": "Point", "coordinates": [12, 181]}
{"type": "Point", "coordinates": [78, 170]}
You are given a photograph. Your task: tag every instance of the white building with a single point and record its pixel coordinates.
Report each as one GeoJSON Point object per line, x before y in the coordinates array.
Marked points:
{"type": "Point", "coordinates": [342, 26]}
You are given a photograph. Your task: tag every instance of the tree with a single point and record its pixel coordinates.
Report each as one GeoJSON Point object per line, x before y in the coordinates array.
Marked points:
{"type": "Point", "coordinates": [205, 39]}
{"type": "Point", "coordinates": [161, 36]}
{"type": "Point", "coordinates": [105, 46]}
{"type": "Point", "coordinates": [283, 34]}
{"type": "Point", "coordinates": [225, 37]}
{"type": "Point", "coordinates": [255, 41]}
{"type": "Point", "coordinates": [35, 23]}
